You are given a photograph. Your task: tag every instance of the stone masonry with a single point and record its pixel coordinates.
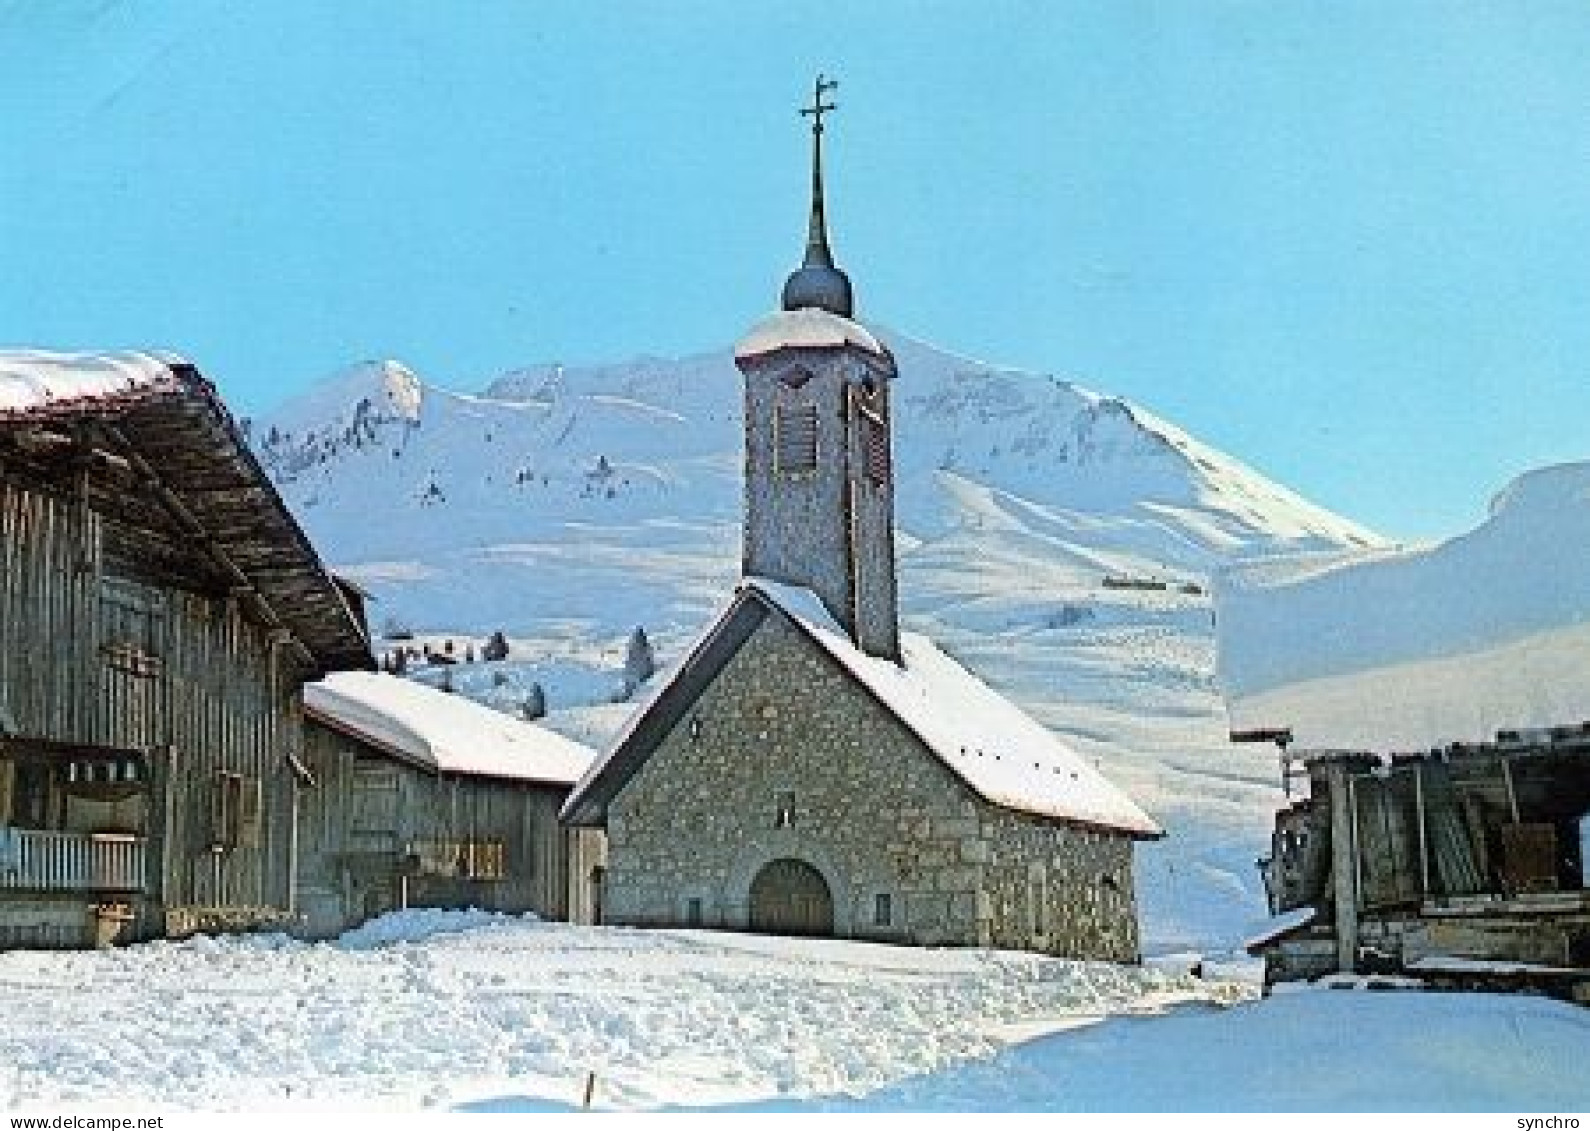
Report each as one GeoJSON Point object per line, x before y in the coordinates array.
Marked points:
{"type": "Point", "coordinates": [875, 812]}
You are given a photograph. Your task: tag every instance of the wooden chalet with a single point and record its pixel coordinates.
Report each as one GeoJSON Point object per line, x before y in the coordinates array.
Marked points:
{"type": "Point", "coordinates": [160, 612]}
{"type": "Point", "coordinates": [420, 798]}
{"type": "Point", "coordinates": [1465, 866]}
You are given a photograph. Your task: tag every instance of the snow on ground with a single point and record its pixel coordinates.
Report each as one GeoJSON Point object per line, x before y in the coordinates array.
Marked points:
{"type": "Point", "coordinates": [1486, 631]}
{"type": "Point", "coordinates": [427, 1009]}
{"type": "Point", "coordinates": [1316, 1050]}
{"type": "Point", "coordinates": [483, 1012]}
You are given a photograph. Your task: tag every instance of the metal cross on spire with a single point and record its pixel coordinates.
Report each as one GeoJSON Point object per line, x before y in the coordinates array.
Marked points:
{"type": "Point", "coordinates": [818, 283]}
{"type": "Point", "coordinates": [817, 252]}
{"type": "Point", "coordinates": [818, 107]}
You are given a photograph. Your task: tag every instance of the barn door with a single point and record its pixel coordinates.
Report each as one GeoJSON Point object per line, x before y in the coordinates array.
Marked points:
{"type": "Point", "coordinates": [373, 826]}
{"type": "Point", "coordinates": [373, 840]}
{"type": "Point", "coordinates": [790, 897]}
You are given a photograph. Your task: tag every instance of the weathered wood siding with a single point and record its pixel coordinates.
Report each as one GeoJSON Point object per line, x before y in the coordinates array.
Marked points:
{"type": "Point", "coordinates": [94, 654]}
{"type": "Point", "coordinates": [369, 820]}
{"type": "Point", "coordinates": [48, 594]}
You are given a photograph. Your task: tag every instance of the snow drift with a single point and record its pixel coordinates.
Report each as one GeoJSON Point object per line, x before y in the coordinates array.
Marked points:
{"type": "Point", "coordinates": [1414, 649]}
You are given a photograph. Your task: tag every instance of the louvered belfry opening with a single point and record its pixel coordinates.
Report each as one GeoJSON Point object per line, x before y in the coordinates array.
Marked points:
{"type": "Point", "coordinates": [796, 428]}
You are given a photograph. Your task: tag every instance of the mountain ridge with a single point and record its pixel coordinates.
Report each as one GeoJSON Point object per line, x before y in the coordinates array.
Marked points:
{"type": "Point", "coordinates": [657, 427]}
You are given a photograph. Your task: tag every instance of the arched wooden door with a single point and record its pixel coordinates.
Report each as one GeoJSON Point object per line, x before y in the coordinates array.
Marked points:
{"type": "Point", "coordinates": [790, 897]}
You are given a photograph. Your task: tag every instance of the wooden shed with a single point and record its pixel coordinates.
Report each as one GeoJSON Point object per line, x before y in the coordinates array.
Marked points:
{"type": "Point", "coordinates": [1462, 866]}
{"type": "Point", "coordinates": [160, 612]}
{"type": "Point", "coordinates": [419, 798]}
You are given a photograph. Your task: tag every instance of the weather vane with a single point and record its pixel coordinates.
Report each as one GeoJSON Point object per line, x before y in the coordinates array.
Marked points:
{"type": "Point", "coordinates": [818, 107]}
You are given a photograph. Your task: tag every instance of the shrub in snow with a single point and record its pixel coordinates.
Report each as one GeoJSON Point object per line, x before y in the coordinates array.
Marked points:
{"type": "Point", "coordinates": [1067, 615]}
{"type": "Point", "coordinates": [535, 703]}
{"type": "Point", "coordinates": [496, 647]}
{"type": "Point", "coordinates": [640, 663]}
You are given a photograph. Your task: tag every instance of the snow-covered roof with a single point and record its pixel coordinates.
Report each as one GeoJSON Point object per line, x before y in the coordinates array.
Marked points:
{"type": "Point", "coordinates": [443, 732]}
{"type": "Point", "coordinates": [1411, 650]}
{"type": "Point", "coordinates": [170, 421]}
{"type": "Point", "coordinates": [807, 328]}
{"type": "Point", "coordinates": [32, 380]}
{"type": "Point", "coordinates": [1279, 926]}
{"type": "Point", "coordinates": [1540, 681]}
{"type": "Point", "coordinates": [990, 744]}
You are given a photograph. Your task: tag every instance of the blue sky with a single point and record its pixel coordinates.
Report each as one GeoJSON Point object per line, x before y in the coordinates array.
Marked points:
{"type": "Point", "coordinates": [1347, 242]}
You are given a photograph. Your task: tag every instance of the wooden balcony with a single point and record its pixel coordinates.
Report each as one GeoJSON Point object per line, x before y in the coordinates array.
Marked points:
{"type": "Point", "coordinates": [32, 860]}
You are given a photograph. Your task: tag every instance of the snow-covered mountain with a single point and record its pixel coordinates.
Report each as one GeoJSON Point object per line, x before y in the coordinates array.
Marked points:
{"type": "Point", "coordinates": [383, 466]}
{"type": "Point", "coordinates": [1056, 540]}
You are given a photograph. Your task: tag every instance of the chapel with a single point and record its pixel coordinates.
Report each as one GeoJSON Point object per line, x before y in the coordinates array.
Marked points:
{"type": "Point", "coordinates": [809, 768]}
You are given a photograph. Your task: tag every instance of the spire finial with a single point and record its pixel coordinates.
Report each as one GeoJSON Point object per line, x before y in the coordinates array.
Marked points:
{"type": "Point", "coordinates": [818, 107]}
{"type": "Point", "coordinates": [817, 251]}
{"type": "Point", "coordinates": [818, 283]}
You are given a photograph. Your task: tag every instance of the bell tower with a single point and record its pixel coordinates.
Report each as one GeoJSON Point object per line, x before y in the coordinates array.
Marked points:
{"type": "Point", "coordinates": [819, 468]}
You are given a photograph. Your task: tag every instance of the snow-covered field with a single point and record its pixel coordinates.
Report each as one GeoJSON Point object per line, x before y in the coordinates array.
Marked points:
{"type": "Point", "coordinates": [460, 1010]}
{"type": "Point", "coordinates": [447, 1008]}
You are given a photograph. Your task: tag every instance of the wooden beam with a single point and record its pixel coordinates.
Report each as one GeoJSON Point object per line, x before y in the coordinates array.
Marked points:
{"type": "Point", "coordinates": [42, 441]}
{"type": "Point", "coordinates": [1344, 875]}
{"type": "Point", "coordinates": [196, 529]}
{"type": "Point", "coordinates": [1507, 780]}
{"type": "Point", "coordinates": [1424, 838]}
{"type": "Point", "coordinates": [1357, 845]}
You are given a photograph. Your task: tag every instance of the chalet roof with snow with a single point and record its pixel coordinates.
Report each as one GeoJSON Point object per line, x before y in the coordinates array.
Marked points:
{"type": "Point", "coordinates": [1000, 753]}
{"type": "Point", "coordinates": [441, 732]}
{"type": "Point", "coordinates": [177, 465]}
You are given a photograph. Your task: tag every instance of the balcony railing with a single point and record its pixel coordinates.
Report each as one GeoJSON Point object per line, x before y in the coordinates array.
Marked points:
{"type": "Point", "coordinates": [32, 860]}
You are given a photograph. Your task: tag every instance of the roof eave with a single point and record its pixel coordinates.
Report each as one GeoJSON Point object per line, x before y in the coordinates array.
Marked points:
{"type": "Point", "coordinates": [397, 754]}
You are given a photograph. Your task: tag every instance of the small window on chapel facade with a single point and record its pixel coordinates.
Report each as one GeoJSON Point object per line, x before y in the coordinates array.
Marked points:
{"type": "Point", "coordinates": [883, 910]}
{"type": "Point", "coordinates": [784, 812]}
{"type": "Point", "coordinates": [795, 438]}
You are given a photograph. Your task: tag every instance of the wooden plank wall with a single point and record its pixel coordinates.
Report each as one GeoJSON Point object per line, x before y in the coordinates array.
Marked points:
{"type": "Point", "coordinates": [220, 697]}
{"type": "Point", "coordinates": [236, 707]}
{"type": "Point", "coordinates": [1388, 840]}
{"type": "Point", "coordinates": [48, 598]}
{"type": "Point", "coordinates": [367, 810]}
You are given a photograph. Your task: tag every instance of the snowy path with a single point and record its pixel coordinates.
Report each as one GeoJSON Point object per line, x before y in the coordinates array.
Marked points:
{"type": "Point", "coordinates": [510, 1008]}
